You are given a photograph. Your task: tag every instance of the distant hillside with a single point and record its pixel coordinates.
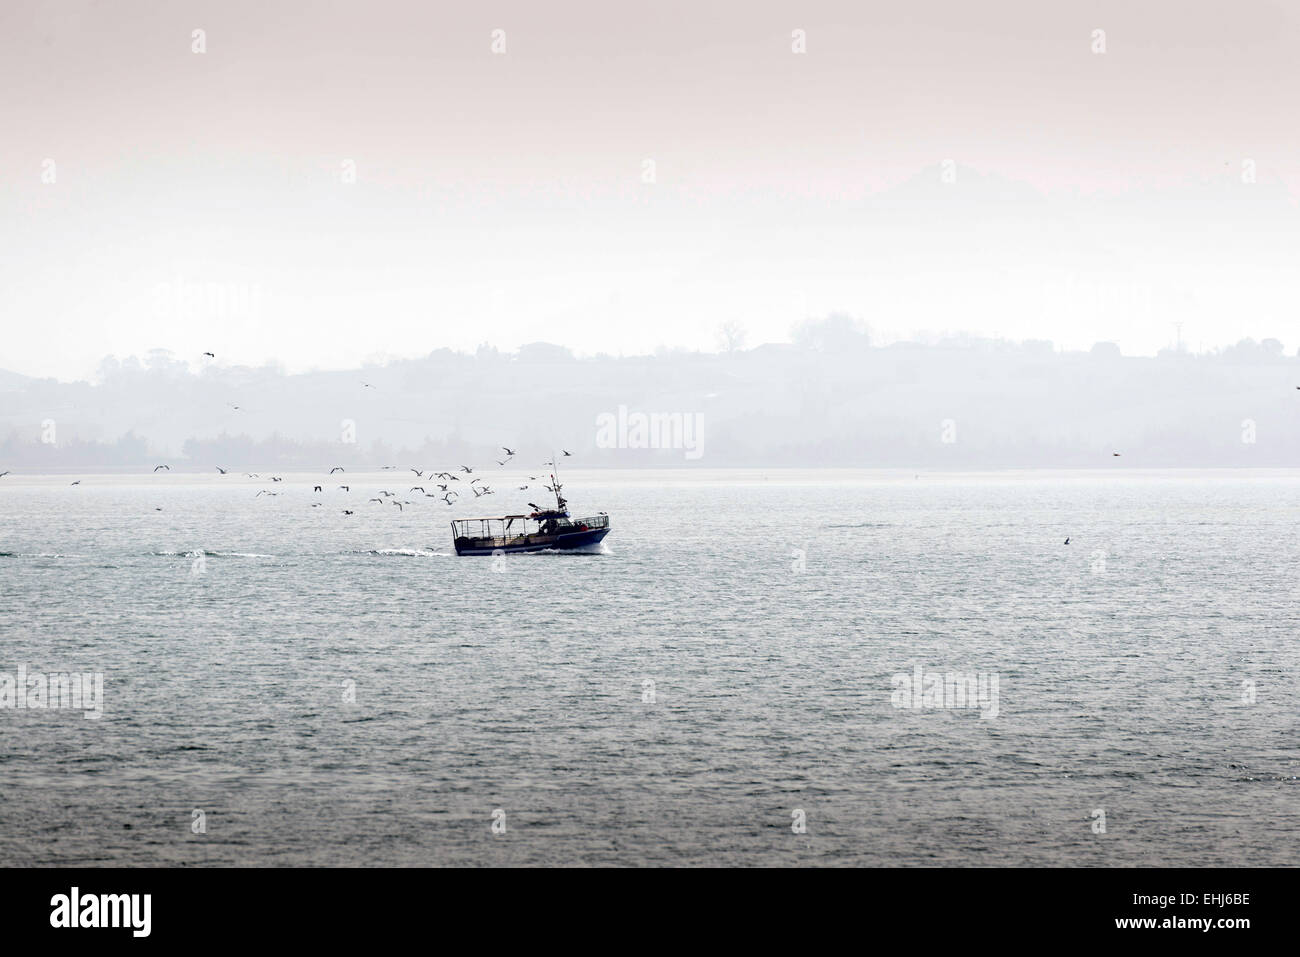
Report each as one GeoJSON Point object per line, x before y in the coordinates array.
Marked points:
{"type": "Point", "coordinates": [831, 399]}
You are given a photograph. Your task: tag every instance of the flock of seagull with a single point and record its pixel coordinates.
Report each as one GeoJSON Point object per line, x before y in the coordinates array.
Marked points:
{"type": "Point", "coordinates": [445, 493]}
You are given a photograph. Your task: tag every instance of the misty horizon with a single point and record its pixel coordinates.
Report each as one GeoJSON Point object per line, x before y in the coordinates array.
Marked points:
{"type": "Point", "coordinates": [831, 398]}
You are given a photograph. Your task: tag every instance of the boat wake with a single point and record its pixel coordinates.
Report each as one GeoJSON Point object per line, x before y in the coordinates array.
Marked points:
{"type": "Point", "coordinates": [405, 553]}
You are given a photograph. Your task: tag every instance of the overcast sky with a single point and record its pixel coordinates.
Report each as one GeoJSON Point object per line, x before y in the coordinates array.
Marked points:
{"type": "Point", "coordinates": [155, 197]}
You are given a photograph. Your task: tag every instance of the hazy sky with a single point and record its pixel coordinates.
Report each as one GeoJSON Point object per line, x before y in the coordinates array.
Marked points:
{"type": "Point", "coordinates": [200, 201]}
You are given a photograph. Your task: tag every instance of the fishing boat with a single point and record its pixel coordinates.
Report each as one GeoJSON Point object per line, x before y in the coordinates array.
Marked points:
{"type": "Point", "coordinates": [540, 530]}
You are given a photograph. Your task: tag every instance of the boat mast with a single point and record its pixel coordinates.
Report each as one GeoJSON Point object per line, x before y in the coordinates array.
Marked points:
{"type": "Point", "coordinates": [560, 503]}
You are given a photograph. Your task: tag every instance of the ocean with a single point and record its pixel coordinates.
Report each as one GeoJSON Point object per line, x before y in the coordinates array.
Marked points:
{"type": "Point", "coordinates": [728, 681]}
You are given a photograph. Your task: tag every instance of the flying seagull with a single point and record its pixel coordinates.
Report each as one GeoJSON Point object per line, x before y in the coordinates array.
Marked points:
{"type": "Point", "coordinates": [566, 451]}
{"type": "Point", "coordinates": [507, 451]}
{"type": "Point", "coordinates": [1067, 541]}
{"type": "Point", "coordinates": [418, 473]}
{"type": "Point", "coordinates": [337, 468]}
{"type": "Point", "coordinates": [346, 488]}
{"type": "Point", "coordinates": [157, 467]}
{"type": "Point", "coordinates": [466, 469]}
{"type": "Point", "coordinates": [77, 482]}
{"type": "Point", "coordinates": [5, 472]}
{"type": "Point", "coordinates": [221, 470]}
{"type": "Point", "coordinates": [209, 355]}
{"type": "Point", "coordinates": [316, 488]}
{"type": "Point", "coordinates": [417, 488]}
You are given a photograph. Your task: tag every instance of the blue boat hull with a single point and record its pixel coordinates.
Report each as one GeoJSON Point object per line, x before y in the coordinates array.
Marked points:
{"type": "Point", "coordinates": [542, 543]}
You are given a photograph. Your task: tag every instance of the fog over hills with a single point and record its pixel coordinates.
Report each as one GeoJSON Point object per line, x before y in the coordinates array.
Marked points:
{"type": "Point", "coordinates": [830, 398]}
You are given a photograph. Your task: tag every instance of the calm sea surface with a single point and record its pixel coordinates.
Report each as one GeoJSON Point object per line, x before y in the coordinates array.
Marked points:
{"type": "Point", "coordinates": [330, 689]}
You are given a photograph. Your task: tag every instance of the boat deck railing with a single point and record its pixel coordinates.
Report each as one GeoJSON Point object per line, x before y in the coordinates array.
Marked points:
{"type": "Point", "coordinates": [524, 535]}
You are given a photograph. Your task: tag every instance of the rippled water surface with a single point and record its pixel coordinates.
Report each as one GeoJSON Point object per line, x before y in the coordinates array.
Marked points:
{"type": "Point", "coordinates": [1147, 670]}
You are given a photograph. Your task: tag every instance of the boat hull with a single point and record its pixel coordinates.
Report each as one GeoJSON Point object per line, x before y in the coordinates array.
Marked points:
{"type": "Point", "coordinates": [566, 541]}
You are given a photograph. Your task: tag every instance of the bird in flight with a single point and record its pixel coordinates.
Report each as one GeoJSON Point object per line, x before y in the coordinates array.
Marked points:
{"type": "Point", "coordinates": [466, 469]}
{"type": "Point", "coordinates": [1115, 454]}
{"type": "Point", "coordinates": [265, 492]}
{"type": "Point", "coordinates": [157, 467]}
{"type": "Point", "coordinates": [5, 472]}
{"type": "Point", "coordinates": [566, 451]}
{"type": "Point", "coordinates": [509, 452]}
{"type": "Point", "coordinates": [77, 482]}
{"type": "Point", "coordinates": [209, 355]}
{"type": "Point", "coordinates": [337, 468]}
{"type": "Point", "coordinates": [1067, 541]}
{"type": "Point", "coordinates": [316, 488]}
{"type": "Point", "coordinates": [221, 470]}
{"type": "Point", "coordinates": [418, 473]}
{"type": "Point", "coordinates": [347, 511]}
{"type": "Point", "coordinates": [346, 488]}
{"type": "Point", "coordinates": [417, 488]}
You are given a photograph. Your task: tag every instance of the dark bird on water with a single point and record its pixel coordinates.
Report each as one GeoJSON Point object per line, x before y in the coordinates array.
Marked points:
{"type": "Point", "coordinates": [347, 512]}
